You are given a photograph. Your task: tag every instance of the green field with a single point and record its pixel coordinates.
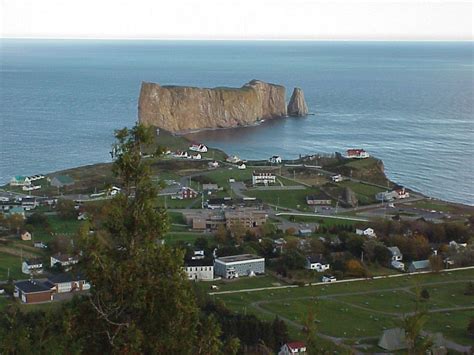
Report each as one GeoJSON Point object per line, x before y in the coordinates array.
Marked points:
{"type": "Point", "coordinates": [8, 261]}
{"type": "Point", "coordinates": [325, 221]}
{"type": "Point", "coordinates": [186, 237]}
{"type": "Point", "coordinates": [291, 199]}
{"type": "Point", "coordinates": [221, 176]}
{"type": "Point", "coordinates": [365, 193]}
{"type": "Point", "coordinates": [364, 308]}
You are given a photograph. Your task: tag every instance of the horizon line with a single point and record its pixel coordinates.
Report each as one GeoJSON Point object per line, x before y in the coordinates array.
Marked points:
{"type": "Point", "coordinates": [214, 39]}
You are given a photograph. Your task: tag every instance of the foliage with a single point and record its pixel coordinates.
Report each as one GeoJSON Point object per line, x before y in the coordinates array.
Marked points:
{"type": "Point", "coordinates": [436, 263]}
{"type": "Point", "coordinates": [66, 209]}
{"type": "Point", "coordinates": [37, 219]}
{"type": "Point", "coordinates": [469, 289]}
{"type": "Point", "coordinates": [470, 328]}
{"type": "Point", "coordinates": [425, 294]}
{"type": "Point", "coordinates": [355, 268]}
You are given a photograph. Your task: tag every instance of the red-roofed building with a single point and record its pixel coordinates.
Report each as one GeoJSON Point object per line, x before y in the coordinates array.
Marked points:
{"type": "Point", "coordinates": [357, 154]}
{"type": "Point", "coordinates": [402, 193]}
{"type": "Point", "coordinates": [294, 347]}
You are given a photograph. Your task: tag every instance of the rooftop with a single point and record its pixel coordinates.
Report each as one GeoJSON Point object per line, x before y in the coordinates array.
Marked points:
{"type": "Point", "coordinates": [65, 277]}
{"type": "Point", "coordinates": [242, 257]}
{"type": "Point", "coordinates": [31, 286]}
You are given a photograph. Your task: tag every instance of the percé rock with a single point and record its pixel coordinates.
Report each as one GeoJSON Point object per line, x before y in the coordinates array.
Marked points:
{"type": "Point", "coordinates": [297, 106]}
{"type": "Point", "coordinates": [182, 108]}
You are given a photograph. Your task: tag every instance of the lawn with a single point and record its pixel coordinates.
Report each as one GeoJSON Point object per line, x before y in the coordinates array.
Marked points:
{"type": "Point", "coordinates": [291, 199]}
{"type": "Point", "coordinates": [345, 310]}
{"type": "Point", "coordinates": [365, 193]}
{"type": "Point", "coordinates": [453, 325]}
{"type": "Point", "coordinates": [325, 221]}
{"type": "Point", "coordinates": [333, 318]}
{"type": "Point", "coordinates": [186, 237]}
{"type": "Point", "coordinates": [248, 283]}
{"type": "Point", "coordinates": [166, 201]}
{"type": "Point", "coordinates": [8, 261]}
{"type": "Point", "coordinates": [221, 176]}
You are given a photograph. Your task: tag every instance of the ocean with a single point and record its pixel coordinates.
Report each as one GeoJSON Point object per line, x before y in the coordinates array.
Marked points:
{"type": "Point", "coordinates": [408, 103]}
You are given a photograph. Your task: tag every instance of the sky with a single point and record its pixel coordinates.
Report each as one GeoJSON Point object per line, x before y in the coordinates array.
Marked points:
{"type": "Point", "coordinates": [238, 19]}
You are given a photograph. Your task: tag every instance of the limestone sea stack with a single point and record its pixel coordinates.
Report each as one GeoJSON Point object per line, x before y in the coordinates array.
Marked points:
{"type": "Point", "coordinates": [297, 106]}
{"type": "Point", "coordinates": [183, 108]}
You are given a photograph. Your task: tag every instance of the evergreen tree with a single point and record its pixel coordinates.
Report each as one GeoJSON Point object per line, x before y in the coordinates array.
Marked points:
{"type": "Point", "coordinates": [140, 298]}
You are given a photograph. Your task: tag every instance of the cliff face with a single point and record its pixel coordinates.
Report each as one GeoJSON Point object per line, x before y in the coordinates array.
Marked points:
{"type": "Point", "coordinates": [297, 105]}
{"type": "Point", "coordinates": [181, 108]}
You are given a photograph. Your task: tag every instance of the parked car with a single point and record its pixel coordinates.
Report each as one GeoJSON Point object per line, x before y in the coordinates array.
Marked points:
{"type": "Point", "coordinates": [328, 279]}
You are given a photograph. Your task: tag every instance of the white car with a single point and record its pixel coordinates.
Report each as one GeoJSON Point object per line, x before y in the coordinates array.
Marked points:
{"type": "Point", "coordinates": [328, 279]}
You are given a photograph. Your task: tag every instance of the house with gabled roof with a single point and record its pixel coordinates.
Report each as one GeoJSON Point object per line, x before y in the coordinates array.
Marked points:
{"type": "Point", "coordinates": [293, 347]}
{"type": "Point", "coordinates": [317, 263]}
{"type": "Point", "coordinates": [419, 265]}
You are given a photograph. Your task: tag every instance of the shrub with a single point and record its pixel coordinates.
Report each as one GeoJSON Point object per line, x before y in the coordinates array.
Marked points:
{"type": "Point", "coordinates": [425, 294]}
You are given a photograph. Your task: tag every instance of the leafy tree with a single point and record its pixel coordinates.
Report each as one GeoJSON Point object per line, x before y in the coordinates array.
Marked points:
{"type": "Point", "coordinates": [293, 259]}
{"type": "Point", "coordinates": [237, 231]}
{"type": "Point", "coordinates": [15, 223]}
{"type": "Point", "coordinates": [66, 209]}
{"type": "Point", "coordinates": [268, 229]}
{"type": "Point", "coordinates": [470, 328]}
{"type": "Point", "coordinates": [309, 331]}
{"type": "Point", "coordinates": [436, 263]}
{"type": "Point", "coordinates": [355, 268]}
{"type": "Point", "coordinates": [469, 289]}
{"type": "Point", "coordinates": [382, 255]}
{"type": "Point", "coordinates": [221, 234]}
{"type": "Point", "coordinates": [37, 219]}
{"type": "Point", "coordinates": [413, 326]}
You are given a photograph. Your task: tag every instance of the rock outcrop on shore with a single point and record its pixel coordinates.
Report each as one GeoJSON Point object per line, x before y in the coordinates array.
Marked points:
{"type": "Point", "coordinates": [182, 108]}
{"type": "Point", "coordinates": [297, 106]}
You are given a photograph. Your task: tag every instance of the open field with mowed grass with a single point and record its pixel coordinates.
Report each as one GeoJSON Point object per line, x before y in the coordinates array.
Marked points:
{"type": "Point", "coordinates": [8, 261]}
{"type": "Point", "coordinates": [365, 308]}
{"type": "Point", "coordinates": [292, 199]}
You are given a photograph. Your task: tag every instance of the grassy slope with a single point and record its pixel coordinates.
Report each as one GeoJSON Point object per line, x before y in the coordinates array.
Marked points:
{"type": "Point", "coordinates": [337, 315]}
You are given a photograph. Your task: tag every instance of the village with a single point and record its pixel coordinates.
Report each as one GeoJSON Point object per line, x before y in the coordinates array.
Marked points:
{"type": "Point", "coordinates": [245, 225]}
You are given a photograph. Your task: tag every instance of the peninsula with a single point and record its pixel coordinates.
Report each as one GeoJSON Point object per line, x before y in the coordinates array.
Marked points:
{"type": "Point", "coordinates": [182, 108]}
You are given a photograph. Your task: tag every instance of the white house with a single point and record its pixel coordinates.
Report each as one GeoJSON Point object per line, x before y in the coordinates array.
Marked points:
{"type": "Point", "coordinates": [401, 193]}
{"type": "Point", "coordinates": [234, 159]}
{"type": "Point", "coordinates": [32, 266]}
{"type": "Point", "coordinates": [31, 187]}
{"type": "Point", "coordinates": [396, 253]}
{"type": "Point", "coordinates": [317, 263]}
{"type": "Point", "coordinates": [242, 166]}
{"type": "Point", "coordinates": [367, 232]}
{"type": "Point", "coordinates": [276, 159]}
{"type": "Point", "coordinates": [397, 265]}
{"type": "Point", "coordinates": [263, 177]}
{"type": "Point", "coordinates": [213, 164]}
{"type": "Point", "coordinates": [197, 147]}
{"type": "Point", "coordinates": [65, 260]}
{"type": "Point", "coordinates": [294, 347]}
{"type": "Point", "coordinates": [20, 180]}
{"type": "Point", "coordinates": [65, 282]}
{"type": "Point", "coordinates": [357, 154]}
{"type": "Point", "coordinates": [199, 269]}
{"type": "Point", "coordinates": [180, 154]}
{"type": "Point", "coordinates": [337, 178]}
{"type": "Point", "coordinates": [196, 156]}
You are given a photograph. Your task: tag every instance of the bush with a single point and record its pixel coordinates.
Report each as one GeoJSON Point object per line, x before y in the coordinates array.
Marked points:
{"type": "Point", "coordinates": [470, 328]}
{"type": "Point", "coordinates": [425, 294]}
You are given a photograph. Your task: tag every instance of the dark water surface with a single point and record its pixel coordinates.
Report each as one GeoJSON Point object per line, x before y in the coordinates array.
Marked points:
{"type": "Point", "coordinates": [408, 103]}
